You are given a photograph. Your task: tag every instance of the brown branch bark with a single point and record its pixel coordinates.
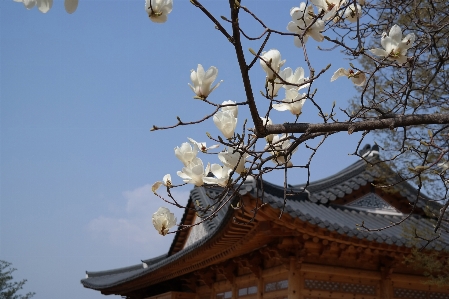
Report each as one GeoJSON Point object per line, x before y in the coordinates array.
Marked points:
{"type": "Point", "coordinates": [366, 125]}
{"type": "Point", "coordinates": [244, 68]}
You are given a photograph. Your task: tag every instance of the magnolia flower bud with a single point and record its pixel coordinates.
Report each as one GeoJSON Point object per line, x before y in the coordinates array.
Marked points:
{"type": "Point", "coordinates": [226, 122]}
{"type": "Point", "coordinates": [234, 109]}
{"type": "Point", "coordinates": [163, 220]}
{"type": "Point", "coordinates": [271, 58]}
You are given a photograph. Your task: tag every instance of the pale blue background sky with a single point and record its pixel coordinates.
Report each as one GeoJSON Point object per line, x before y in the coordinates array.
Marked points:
{"type": "Point", "coordinates": [79, 94]}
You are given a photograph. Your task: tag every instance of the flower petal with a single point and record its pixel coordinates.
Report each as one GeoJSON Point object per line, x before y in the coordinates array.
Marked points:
{"type": "Point", "coordinates": [339, 73]}
{"type": "Point", "coordinates": [200, 74]}
{"type": "Point", "coordinates": [216, 169]}
{"type": "Point", "coordinates": [320, 4]}
{"type": "Point", "coordinates": [401, 59]}
{"type": "Point", "coordinates": [379, 52]}
{"type": "Point", "coordinates": [280, 107]}
{"type": "Point", "coordinates": [359, 78]}
{"type": "Point", "coordinates": [167, 7]}
{"type": "Point", "coordinates": [29, 4]}
{"type": "Point", "coordinates": [234, 109]}
{"type": "Point", "coordinates": [395, 33]}
{"type": "Point", "coordinates": [159, 19]}
{"type": "Point", "coordinates": [408, 41]}
{"type": "Point", "coordinates": [156, 186]}
{"type": "Point", "coordinates": [208, 79]}
{"type": "Point", "coordinates": [316, 35]}
{"type": "Point", "coordinates": [298, 42]}
{"type": "Point", "coordinates": [70, 6]}
{"type": "Point", "coordinates": [294, 27]}
{"type": "Point", "coordinates": [44, 5]}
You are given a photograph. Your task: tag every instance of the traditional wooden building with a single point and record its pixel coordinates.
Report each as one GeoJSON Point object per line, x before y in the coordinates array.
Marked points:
{"type": "Point", "coordinates": [315, 250]}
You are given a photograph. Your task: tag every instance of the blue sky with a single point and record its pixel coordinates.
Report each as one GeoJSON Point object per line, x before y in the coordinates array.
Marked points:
{"type": "Point", "coordinates": [79, 94]}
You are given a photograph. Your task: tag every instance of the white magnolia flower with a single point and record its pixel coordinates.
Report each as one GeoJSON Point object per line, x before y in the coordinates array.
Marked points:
{"type": "Point", "coordinates": [271, 58]}
{"type": "Point", "coordinates": [233, 159]}
{"type": "Point", "coordinates": [166, 181]}
{"type": "Point", "coordinates": [158, 10]}
{"type": "Point", "coordinates": [279, 147]}
{"type": "Point", "coordinates": [293, 102]}
{"type": "Point", "coordinates": [234, 109]}
{"type": "Point", "coordinates": [202, 145]}
{"type": "Point", "coordinates": [330, 7]}
{"type": "Point", "coordinates": [350, 13]}
{"type": "Point", "coordinates": [163, 220]}
{"type": "Point", "coordinates": [225, 122]}
{"type": "Point", "coordinates": [194, 173]}
{"type": "Point", "coordinates": [302, 17]}
{"type": "Point", "coordinates": [202, 81]}
{"type": "Point", "coordinates": [287, 75]}
{"type": "Point", "coordinates": [395, 47]}
{"type": "Point", "coordinates": [267, 121]}
{"type": "Point", "coordinates": [186, 153]}
{"type": "Point", "coordinates": [221, 175]}
{"type": "Point", "coordinates": [358, 78]}
{"type": "Point", "coordinates": [45, 5]}
{"type": "Point", "coordinates": [296, 78]}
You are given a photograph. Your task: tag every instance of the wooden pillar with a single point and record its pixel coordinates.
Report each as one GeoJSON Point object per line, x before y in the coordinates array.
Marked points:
{"type": "Point", "coordinates": [386, 284]}
{"type": "Point", "coordinates": [386, 288]}
{"type": "Point", "coordinates": [234, 290]}
{"type": "Point", "coordinates": [295, 280]}
{"type": "Point", "coordinates": [260, 287]}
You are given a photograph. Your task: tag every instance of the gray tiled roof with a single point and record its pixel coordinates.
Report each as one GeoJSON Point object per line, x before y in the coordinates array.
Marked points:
{"type": "Point", "coordinates": [313, 205]}
{"type": "Point", "coordinates": [357, 175]}
{"type": "Point", "coordinates": [345, 220]}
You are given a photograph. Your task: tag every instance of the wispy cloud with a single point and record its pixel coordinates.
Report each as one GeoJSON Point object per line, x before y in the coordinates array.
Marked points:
{"type": "Point", "coordinates": [134, 226]}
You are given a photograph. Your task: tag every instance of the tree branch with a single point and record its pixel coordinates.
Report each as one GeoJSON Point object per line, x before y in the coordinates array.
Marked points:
{"type": "Point", "coordinates": [385, 123]}
{"type": "Point", "coordinates": [244, 68]}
